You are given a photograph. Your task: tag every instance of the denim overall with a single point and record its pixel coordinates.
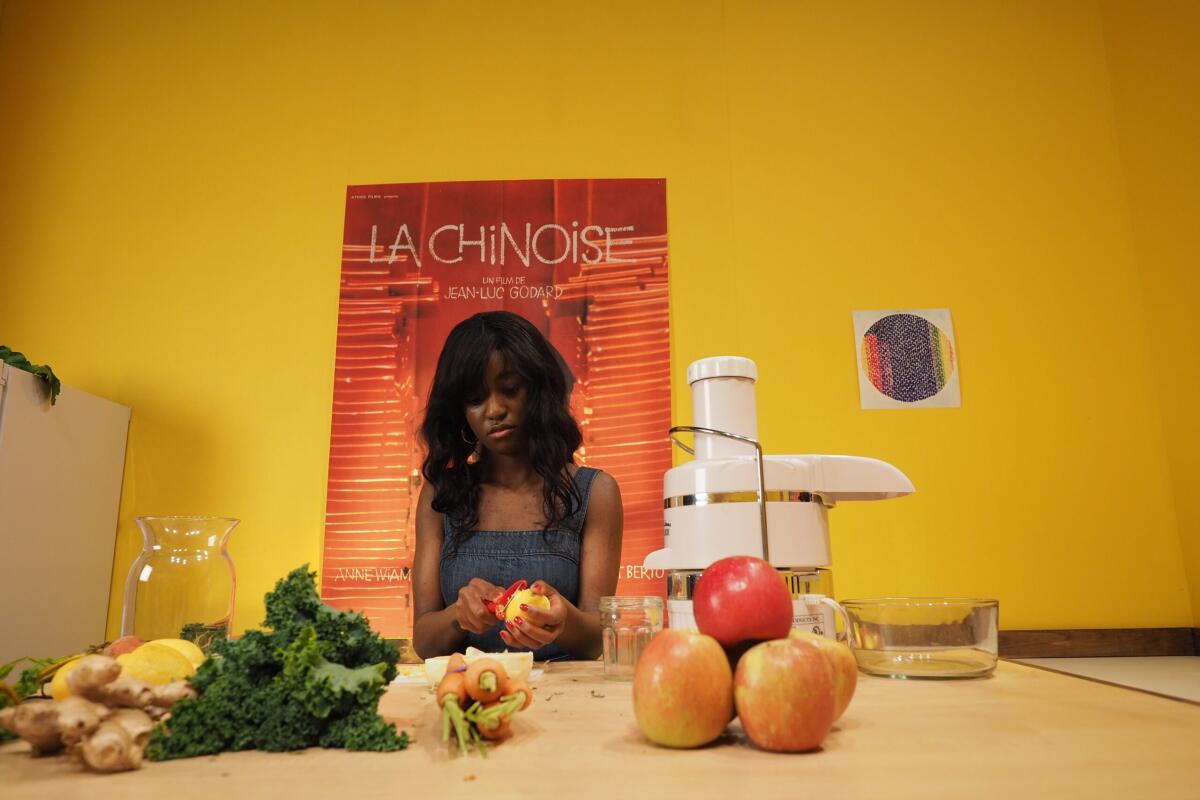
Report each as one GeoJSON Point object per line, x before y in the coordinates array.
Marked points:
{"type": "Point", "coordinates": [504, 557]}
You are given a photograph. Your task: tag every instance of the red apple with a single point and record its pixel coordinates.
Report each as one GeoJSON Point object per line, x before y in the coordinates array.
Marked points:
{"type": "Point", "coordinates": [841, 658]}
{"type": "Point", "coordinates": [784, 695]}
{"type": "Point", "coordinates": [682, 689]}
{"type": "Point", "coordinates": [126, 644]}
{"type": "Point", "coordinates": [742, 598]}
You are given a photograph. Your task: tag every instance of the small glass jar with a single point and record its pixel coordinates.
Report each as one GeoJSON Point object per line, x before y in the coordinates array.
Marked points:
{"type": "Point", "coordinates": [627, 625]}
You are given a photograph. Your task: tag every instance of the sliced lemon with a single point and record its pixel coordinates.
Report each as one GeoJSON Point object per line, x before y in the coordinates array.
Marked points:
{"type": "Point", "coordinates": [156, 664]}
{"type": "Point", "coordinates": [189, 649]}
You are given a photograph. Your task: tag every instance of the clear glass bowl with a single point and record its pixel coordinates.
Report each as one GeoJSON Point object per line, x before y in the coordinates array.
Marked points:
{"type": "Point", "coordinates": [924, 637]}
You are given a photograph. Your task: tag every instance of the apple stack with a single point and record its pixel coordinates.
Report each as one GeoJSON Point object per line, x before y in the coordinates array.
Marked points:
{"type": "Point", "coordinates": [787, 687]}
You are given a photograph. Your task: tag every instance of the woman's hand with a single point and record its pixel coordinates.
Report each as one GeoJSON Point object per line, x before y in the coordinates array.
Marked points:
{"type": "Point", "coordinates": [471, 614]}
{"type": "Point", "coordinates": [538, 627]}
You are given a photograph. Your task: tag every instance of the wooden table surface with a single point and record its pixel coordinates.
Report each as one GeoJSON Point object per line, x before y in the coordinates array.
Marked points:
{"type": "Point", "coordinates": [1022, 734]}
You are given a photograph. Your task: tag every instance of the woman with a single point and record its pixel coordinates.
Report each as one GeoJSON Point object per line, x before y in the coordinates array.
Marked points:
{"type": "Point", "coordinates": [503, 500]}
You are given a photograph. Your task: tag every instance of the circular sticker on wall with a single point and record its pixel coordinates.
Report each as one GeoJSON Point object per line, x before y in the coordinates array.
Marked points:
{"type": "Point", "coordinates": [907, 357]}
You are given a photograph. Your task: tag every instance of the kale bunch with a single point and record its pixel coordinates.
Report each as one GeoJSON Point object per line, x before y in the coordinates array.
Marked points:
{"type": "Point", "coordinates": [313, 679]}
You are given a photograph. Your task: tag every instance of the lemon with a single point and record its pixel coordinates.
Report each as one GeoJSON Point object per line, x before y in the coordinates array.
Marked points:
{"type": "Point", "coordinates": [58, 684]}
{"type": "Point", "coordinates": [524, 597]}
{"type": "Point", "coordinates": [190, 651]}
{"type": "Point", "coordinates": [156, 664]}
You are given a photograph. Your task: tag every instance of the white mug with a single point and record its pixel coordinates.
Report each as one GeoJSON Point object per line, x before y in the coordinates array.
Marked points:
{"type": "Point", "coordinates": [817, 613]}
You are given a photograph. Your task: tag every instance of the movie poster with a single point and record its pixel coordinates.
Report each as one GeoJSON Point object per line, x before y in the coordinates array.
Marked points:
{"type": "Point", "coordinates": [584, 260]}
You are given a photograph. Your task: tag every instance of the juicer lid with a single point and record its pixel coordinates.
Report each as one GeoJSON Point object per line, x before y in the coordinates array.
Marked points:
{"type": "Point", "coordinates": [832, 478]}
{"type": "Point", "coordinates": [721, 367]}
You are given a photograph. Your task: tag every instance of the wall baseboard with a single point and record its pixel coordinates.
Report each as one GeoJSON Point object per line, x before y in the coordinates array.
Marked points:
{"type": "Point", "coordinates": [1100, 643]}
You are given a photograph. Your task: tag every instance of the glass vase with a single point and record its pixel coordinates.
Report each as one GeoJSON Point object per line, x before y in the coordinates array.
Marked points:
{"type": "Point", "coordinates": [182, 585]}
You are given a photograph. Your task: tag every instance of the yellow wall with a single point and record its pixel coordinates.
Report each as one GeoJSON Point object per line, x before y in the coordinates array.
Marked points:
{"type": "Point", "coordinates": [171, 215]}
{"type": "Point", "coordinates": [1155, 66]}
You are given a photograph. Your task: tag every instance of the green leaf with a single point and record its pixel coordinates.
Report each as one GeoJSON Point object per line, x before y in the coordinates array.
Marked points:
{"type": "Point", "coordinates": [321, 685]}
{"type": "Point", "coordinates": [18, 360]}
{"type": "Point", "coordinates": [30, 682]}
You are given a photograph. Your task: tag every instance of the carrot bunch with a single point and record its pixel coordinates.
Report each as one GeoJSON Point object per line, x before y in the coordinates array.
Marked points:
{"type": "Point", "coordinates": [479, 701]}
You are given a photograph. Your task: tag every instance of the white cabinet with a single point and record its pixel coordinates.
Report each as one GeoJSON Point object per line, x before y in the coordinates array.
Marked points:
{"type": "Point", "coordinates": [60, 492]}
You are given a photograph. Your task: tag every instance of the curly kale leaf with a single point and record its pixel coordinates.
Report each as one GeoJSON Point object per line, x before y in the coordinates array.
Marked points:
{"type": "Point", "coordinates": [352, 641]}
{"type": "Point", "coordinates": [323, 686]}
{"type": "Point", "coordinates": [228, 716]}
{"type": "Point", "coordinates": [363, 729]}
{"type": "Point", "coordinates": [314, 679]}
{"type": "Point", "coordinates": [294, 605]}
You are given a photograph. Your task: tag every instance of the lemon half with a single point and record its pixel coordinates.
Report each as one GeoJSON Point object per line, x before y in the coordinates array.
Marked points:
{"type": "Point", "coordinates": [189, 650]}
{"type": "Point", "coordinates": [156, 664]}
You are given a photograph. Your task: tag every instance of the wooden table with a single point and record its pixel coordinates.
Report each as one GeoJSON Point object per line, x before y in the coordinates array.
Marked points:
{"type": "Point", "coordinates": [1023, 734]}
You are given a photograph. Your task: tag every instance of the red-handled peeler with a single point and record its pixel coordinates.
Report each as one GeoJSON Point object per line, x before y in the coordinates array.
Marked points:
{"type": "Point", "coordinates": [498, 605]}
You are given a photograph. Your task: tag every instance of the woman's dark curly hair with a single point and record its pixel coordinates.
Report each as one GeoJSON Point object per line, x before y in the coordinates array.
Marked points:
{"type": "Point", "coordinates": [550, 432]}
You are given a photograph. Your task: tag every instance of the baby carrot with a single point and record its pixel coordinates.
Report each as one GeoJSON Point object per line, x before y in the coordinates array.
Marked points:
{"type": "Point", "coordinates": [515, 686]}
{"type": "Point", "coordinates": [454, 685]}
{"type": "Point", "coordinates": [485, 680]}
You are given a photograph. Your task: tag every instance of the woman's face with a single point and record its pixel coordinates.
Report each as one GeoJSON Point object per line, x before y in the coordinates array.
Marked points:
{"type": "Point", "coordinates": [495, 415]}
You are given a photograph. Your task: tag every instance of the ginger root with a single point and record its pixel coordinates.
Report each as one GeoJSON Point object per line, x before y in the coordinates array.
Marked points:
{"type": "Point", "coordinates": [126, 692]}
{"type": "Point", "coordinates": [91, 675]}
{"type": "Point", "coordinates": [107, 720]}
{"type": "Point", "coordinates": [77, 717]}
{"type": "Point", "coordinates": [136, 722]}
{"type": "Point", "coordinates": [111, 749]}
{"type": "Point", "coordinates": [167, 695]}
{"type": "Point", "coordinates": [99, 678]}
{"type": "Point", "coordinates": [35, 721]}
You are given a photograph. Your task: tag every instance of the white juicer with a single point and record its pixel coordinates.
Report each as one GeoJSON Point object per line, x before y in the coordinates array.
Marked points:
{"type": "Point", "coordinates": [731, 500]}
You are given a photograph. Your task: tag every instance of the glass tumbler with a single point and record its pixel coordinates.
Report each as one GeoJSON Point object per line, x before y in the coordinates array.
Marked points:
{"type": "Point", "coordinates": [627, 624]}
{"type": "Point", "coordinates": [183, 579]}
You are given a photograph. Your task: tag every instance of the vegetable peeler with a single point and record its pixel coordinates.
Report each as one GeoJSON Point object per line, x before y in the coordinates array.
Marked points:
{"type": "Point", "coordinates": [498, 605]}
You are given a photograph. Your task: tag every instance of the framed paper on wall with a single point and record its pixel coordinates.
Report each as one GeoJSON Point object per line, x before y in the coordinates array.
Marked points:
{"type": "Point", "coordinates": [907, 359]}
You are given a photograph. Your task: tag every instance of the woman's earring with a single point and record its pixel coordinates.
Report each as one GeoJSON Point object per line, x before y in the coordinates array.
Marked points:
{"type": "Point", "coordinates": [473, 457]}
